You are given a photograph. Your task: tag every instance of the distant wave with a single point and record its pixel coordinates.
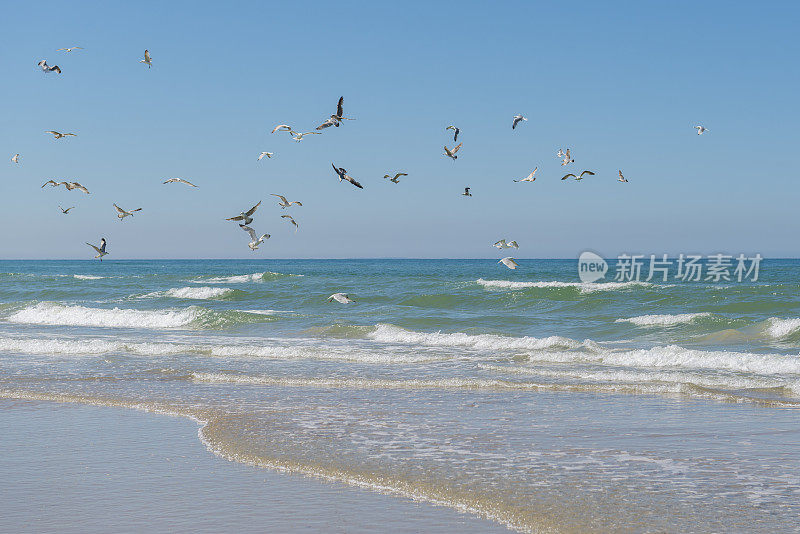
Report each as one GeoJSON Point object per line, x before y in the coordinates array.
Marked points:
{"type": "Point", "coordinates": [88, 277]}
{"type": "Point", "coordinates": [663, 320]}
{"type": "Point", "coordinates": [194, 293]}
{"type": "Point", "coordinates": [243, 278]}
{"type": "Point", "coordinates": [582, 287]}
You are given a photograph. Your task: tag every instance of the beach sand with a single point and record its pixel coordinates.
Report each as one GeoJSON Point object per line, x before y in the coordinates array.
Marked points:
{"type": "Point", "coordinates": [74, 468]}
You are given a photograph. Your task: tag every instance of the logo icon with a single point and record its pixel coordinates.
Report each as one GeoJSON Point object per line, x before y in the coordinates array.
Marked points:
{"type": "Point", "coordinates": [591, 267]}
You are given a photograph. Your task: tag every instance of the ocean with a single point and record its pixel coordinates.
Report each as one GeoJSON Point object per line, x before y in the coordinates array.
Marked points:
{"type": "Point", "coordinates": [525, 397]}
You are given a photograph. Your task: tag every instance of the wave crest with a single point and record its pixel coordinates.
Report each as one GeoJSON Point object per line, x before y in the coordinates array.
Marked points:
{"type": "Point", "coordinates": [581, 286]}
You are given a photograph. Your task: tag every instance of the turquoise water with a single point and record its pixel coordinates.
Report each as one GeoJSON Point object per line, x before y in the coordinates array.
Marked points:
{"type": "Point", "coordinates": [522, 396]}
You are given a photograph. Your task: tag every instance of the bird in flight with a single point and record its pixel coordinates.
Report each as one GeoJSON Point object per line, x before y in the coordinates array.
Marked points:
{"type": "Point", "coordinates": [268, 154]}
{"type": "Point", "coordinates": [700, 129]}
{"type": "Point", "coordinates": [580, 177]}
{"type": "Point", "coordinates": [396, 178]}
{"type": "Point", "coordinates": [621, 178]}
{"type": "Point", "coordinates": [70, 49]}
{"type": "Point", "coordinates": [502, 244]}
{"type": "Point", "coordinates": [59, 135]}
{"type": "Point", "coordinates": [299, 136]}
{"type": "Point", "coordinates": [65, 211]}
{"type": "Point", "coordinates": [466, 192]}
{"type": "Point", "coordinates": [517, 120]}
{"type": "Point", "coordinates": [245, 216]}
{"type": "Point", "coordinates": [456, 131]}
{"type": "Point", "coordinates": [255, 239]}
{"type": "Point", "coordinates": [291, 220]}
{"type": "Point", "coordinates": [147, 61]}
{"type": "Point", "coordinates": [285, 203]}
{"type": "Point", "coordinates": [340, 297]}
{"type": "Point", "coordinates": [567, 158]}
{"type": "Point", "coordinates": [342, 172]}
{"type": "Point", "coordinates": [179, 181]}
{"type": "Point", "coordinates": [509, 262]}
{"type": "Point", "coordinates": [530, 177]}
{"type": "Point", "coordinates": [15, 159]}
{"type": "Point", "coordinates": [47, 68]}
{"type": "Point", "coordinates": [452, 153]}
{"type": "Point", "coordinates": [121, 213]}
{"type": "Point", "coordinates": [101, 250]}
{"type": "Point", "coordinates": [69, 185]}
{"type": "Point", "coordinates": [282, 128]}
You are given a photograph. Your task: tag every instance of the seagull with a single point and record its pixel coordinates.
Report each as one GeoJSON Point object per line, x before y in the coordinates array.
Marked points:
{"type": "Point", "coordinates": [291, 219]}
{"type": "Point", "coordinates": [285, 203]}
{"type": "Point", "coordinates": [255, 239]}
{"type": "Point", "coordinates": [15, 159]}
{"type": "Point", "coordinates": [456, 131]}
{"type": "Point", "coordinates": [560, 154]}
{"type": "Point", "coordinates": [590, 173]}
{"type": "Point", "coordinates": [59, 135]}
{"type": "Point", "coordinates": [567, 158]}
{"type": "Point", "coordinates": [282, 128]}
{"type": "Point", "coordinates": [342, 172]}
{"type": "Point", "coordinates": [509, 262]}
{"type": "Point", "coordinates": [268, 154]}
{"type": "Point", "coordinates": [121, 213]}
{"type": "Point", "coordinates": [245, 216]}
{"type": "Point", "coordinates": [147, 61]}
{"type": "Point", "coordinates": [101, 251]}
{"type": "Point", "coordinates": [69, 185]}
{"type": "Point", "coordinates": [340, 297]}
{"type": "Point", "coordinates": [530, 177]}
{"type": "Point", "coordinates": [396, 178]}
{"type": "Point", "coordinates": [700, 129]}
{"type": "Point", "coordinates": [452, 153]}
{"type": "Point", "coordinates": [517, 119]}
{"type": "Point", "coordinates": [65, 211]}
{"type": "Point", "coordinates": [621, 178]}
{"type": "Point", "coordinates": [502, 244]}
{"type": "Point", "coordinates": [47, 68]}
{"type": "Point", "coordinates": [180, 181]}
{"type": "Point", "coordinates": [70, 49]}
{"type": "Point", "coordinates": [466, 192]}
{"type": "Point", "coordinates": [299, 136]}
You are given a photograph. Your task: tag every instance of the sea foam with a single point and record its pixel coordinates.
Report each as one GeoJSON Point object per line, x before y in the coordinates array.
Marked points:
{"type": "Point", "coordinates": [663, 320]}
{"type": "Point", "coordinates": [582, 287]}
{"type": "Point", "coordinates": [50, 313]}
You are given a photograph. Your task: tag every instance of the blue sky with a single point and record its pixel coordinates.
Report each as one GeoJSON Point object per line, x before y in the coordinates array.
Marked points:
{"type": "Point", "coordinates": [622, 84]}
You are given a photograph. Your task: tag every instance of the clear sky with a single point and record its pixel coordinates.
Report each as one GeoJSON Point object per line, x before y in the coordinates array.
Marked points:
{"type": "Point", "coordinates": [621, 84]}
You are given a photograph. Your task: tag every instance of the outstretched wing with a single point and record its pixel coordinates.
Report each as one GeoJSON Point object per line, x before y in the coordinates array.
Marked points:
{"type": "Point", "coordinates": [340, 107]}
{"type": "Point", "coordinates": [590, 173]}
{"type": "Point", "coordinates": [568, 175]}
{"type": "Point", "coordinates": [283, 198]}
{"type": "Point", "coordinates": [353, 181]}
{"type": "Point", "coordinates": [456, 149]}
{"type": "Point", "coordinates": [253, 209]}
{"type": "Point", "coordinates": [250, 231]}
{"type": "Point", "coordinates": [95, 248]}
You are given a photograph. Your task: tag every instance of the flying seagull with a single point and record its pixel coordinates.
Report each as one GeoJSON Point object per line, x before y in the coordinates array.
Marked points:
{"type": "Point", "coordinates": [466, 192]}
{"type": "Point", "coordinates": [291, 220]}
{"type": "Point", "coordinates": [285, 203]}
{"type": "Point", "coordinates": [147, 61]}
{"type": "Point", "coordinates": [567, 158]}
{"type": "Point", "coordinates": [342, 172]}
{"type": "Point", "coordinates": [121, 213]}
{"type": "Point", "coordinates": [700, 129]}
{"type": "Point", "coordinates": [621, 178]}
{"type": "Point", "coordinates": [396, 178]}
{"type": "Point", "coordinates": [47, 68]}
{"type": "Point", "coordinates": [65, 211]}
{"type": "Point", "coordinates": [59, 135]}
{"type": "Point", "coordinates": [517, 119]}
{"type": "Point", "coordinates": [530, 177]}
{"type": "Point", "coordinates": [456, 131]}
{"type": "Point", "coordinates": [452, 153]}
{"type": "Point", "coordinates": [255, 239]}
{"type": "Point", "coordinates": [245, 216]}
{"type": "Point", "coordinates": [179, 181]}
{"type": "Point", "coordinates": [101, 251]}
{"type": "Point", "coordinates": [282, 128]}
{"type": "Point", "coordinates": [340, 297]}
{"type": "Point", "coordinates": [70, 49]}
{"type": "Point", "coordinates": [509, 262]}
{"type": "Point", "coordinates": [69, 185]}
{"type": "Point", "coordinates": [502, 244]}
{"type": "Point", "coordinates": [580, 177]}
{"type": "Point", "coordinates": [268, 154]}
{"type": "Point", "coordinates": [299, 136]}
{"type": "Point", "coordinates": [15, 159]}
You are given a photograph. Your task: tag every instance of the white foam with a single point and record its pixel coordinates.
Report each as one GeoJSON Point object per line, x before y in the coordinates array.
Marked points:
{"type": "Point", "coordinates": [266, 312]}
{"type": "Point", "coordinates": [88, 277]}
{"type": "Point", "coordinates": [581, 286]}
{"type": "Point", "coordinates": [193, 293]}
{"type": "Point", "coordinates": [242, 278]}
{"type": "Point", "coordinates": [663, 320]}
{"type": "Point", "coordinates": [50, 313]}
{"type": "Point", "coordinates": [779, 328]}
{"type": "Point", "coordinates": [392, 334]}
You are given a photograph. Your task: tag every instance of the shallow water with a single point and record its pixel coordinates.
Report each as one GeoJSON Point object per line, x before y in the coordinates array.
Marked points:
{"type": "Point", "coordinates": [521, 396]}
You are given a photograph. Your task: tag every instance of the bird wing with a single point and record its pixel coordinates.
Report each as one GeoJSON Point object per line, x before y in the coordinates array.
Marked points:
{"type": "Point", "coordinates": [94, 247]}
{"type": "Point", "coordinates": [513, 244]}
{"type": "Point", "coordinates": [501, 242]}
{"type": "Point", "coordinates": [340, 107]}
{"type": "Point", "coordinates": [67, 210]}
{"type": "Point", "coordinates": [79, 187]}
{"type": "Point", "coordinates": [399, 174]}
{"type": "Point", "coordinates": [283, 198]}
{"type": "Point", "coordinates": [568, 175]}
{"type": "Point", "coordinates": [280, 127]}
{"type": "Point", "coordinates": [250, 231]}
{"type": "Point", "coordinates": [447, 151]}
{"type": "Point", "coordinates": [296, 202]}
{"type": "Point", "coordinates": [237, 218]}
{"type": "Point", "coordinates": [120, 210]}
{"type": "Point", "coordinates": [147, 55]}
{"type": "Point", "coordinates": [50, 182]}
{"type": "Point", "coordinates": [514, 124]}
{"type": "Point", "coordinates": [457, 148]}
{"type": "Point", "coordinates": [590, 173]}
{"type": "Point", "coordinates": [52, 132]}
{"type": "Point", "coordinates": [253, 209]}
{"type": "Point", "coordinates": [72, 134]}
{"type": "Point", "coordinates": [353, 181]}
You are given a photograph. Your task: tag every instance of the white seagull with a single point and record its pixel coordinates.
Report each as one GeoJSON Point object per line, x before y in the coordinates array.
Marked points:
{"type": "Point", "coordinates": [509, 262]}
{"type": "Point", "coordinates": [291, 220]}
{"type": "Point", "coordinates": [70, 49]}
{"type": "Point", "coordinates": [69, 185]}
{"type": "Point", "coordinates": [268, 154]}
{"type": "Point", "coordinates": [121, 213]}
{"type": "Point", "coordinates": [255, 239]}
{"type": "Point", "coordinates": [340, 297]}
{"type": "Point", "coordinates": [101, 251]}
{"type": "Point", "coordinates": [517, 120]}
{"type": "Point", "coordinates": [179, 181]}
{"type": "Point", "coordinates": [47, 68]}
{"type": "Point", "coordinates": [147, 61]}
{"type": "Point", "coordinates": [580, 177]}
{"type": "Point", "coordinates": [65, 211]}
{"type": "Point", "coordinates": [15, 159]}
{"type": "Point", "coordinates": [700, 129]}
{"type": "Point", "coordinates": [396, 178]}
{"type": "Point", "coordinates": [285, 203]}
{"type": "Point", "coordinates": [502, 244]}
{"type": "Point", "coordinates": [452, 153]}
{"type": "Point", "coordinates": [621, 178]}
{"type": "Point", "coordinates": [567, 158]}
{"type": "Point", "coordinates": [245, 216]}
{"type": "Point", "coordinates": [59, 135]}
{"type": "Point", "coordinates": [342, 172]}
{"type": "Point", "coordinates": [297, 136]}
{"type": "Point", "coordinates": [530, 177]}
